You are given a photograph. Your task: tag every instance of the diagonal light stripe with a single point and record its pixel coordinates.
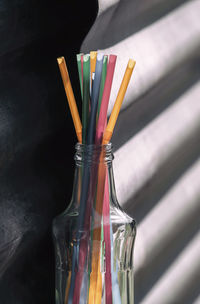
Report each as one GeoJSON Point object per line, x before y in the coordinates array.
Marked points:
{"type": "Point", "coordinates": [137, 161]}
{"type": "Point", "coordinates": [168, 218]}
{"type": "Point", "coordinates": [178, 277]}
{"type": "Point", "coordinates": [157, 49]}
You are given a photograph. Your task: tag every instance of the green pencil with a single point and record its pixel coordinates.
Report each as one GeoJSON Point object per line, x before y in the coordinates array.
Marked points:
{"type": "Point", "coordinates": [103, 78]}
{"type": "Point", "coordinates": [86, 96]}
{"type": "Point", "coordinates": [78, 59]}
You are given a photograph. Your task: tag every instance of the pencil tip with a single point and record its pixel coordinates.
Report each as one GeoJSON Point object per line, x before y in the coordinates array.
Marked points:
{"type": "Point", "coordinates": [105, 59]}
{"type": "Point", "coordinates": [78, 56]}
{"type": "Point", "coordinates": [93, 54]}
{"type": "Point", "coordinates": [60, 60]}
{"type": "Point", "coordinates": [112, 58]}
{"type": "Point", "coordinates": [86, 57]}
{"type": "Point", "coordinates": [100, 56]}
{"type": "Point", "coordinates": [131, 63]}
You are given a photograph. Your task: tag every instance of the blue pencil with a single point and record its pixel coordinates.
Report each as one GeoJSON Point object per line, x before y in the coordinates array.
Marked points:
{"type": "Point", "coordinates": [94, 99]}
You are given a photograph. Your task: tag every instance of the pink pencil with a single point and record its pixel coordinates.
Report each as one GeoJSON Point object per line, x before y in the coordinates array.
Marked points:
{"type": "Point", "coordinates": [105, 99]}
{"type": "Point", "coordinates": [82, 67]}
{"type": "Point", "coordinates": [102, 122]}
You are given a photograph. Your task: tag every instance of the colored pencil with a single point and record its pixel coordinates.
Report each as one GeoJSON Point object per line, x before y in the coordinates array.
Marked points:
{"type": "Point", "coordinates": [78, 58]}
{"type": "Point", "coordinates": [115, 112]}
{"type": "Point", "coordinates": [105, 99]}
{"type": "Point", "coordinates": [70, 97]}
{"type": "Point", "coordinates": [94, 99]}
{"type": "Point", "coordinates": [86, 96]}
{"type": "Point", "coordinates": [93, 59]}
{"type": "Point", "coordinates": [103, 79]}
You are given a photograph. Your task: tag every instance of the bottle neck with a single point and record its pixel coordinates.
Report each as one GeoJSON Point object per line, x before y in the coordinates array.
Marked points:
{"type": "Point", "coordinates": [93, 163]}
{"type": "Point", "coordinates": [93, 155]}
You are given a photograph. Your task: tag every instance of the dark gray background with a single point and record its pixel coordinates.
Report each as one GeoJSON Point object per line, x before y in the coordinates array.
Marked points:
{"type": "Point", "coordinates": [36, 138]}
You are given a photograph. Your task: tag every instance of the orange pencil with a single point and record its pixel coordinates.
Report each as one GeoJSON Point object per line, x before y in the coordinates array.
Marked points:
{"type": "Point", "coordinates": [95, 287]}
{"type": "Point", "coordinates": [93, 59]}
{"type": "Point", "coordinates": [70, 97]}
{"type": "Point", "coordinates": [120, 96]}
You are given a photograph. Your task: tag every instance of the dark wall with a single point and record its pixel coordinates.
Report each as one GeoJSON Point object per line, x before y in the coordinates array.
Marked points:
{"type": "Point", "coordinates": [36, 138]}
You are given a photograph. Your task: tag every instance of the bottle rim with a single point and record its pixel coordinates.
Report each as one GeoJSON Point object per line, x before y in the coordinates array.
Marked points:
{"type": "Point", "coordinates": [107, 147]}
{"type": "Point", "coordinates": [93, 153]}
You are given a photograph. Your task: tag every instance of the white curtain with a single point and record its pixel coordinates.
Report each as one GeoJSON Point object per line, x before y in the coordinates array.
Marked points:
{"type": "Point", "coordinates": [157, 139]}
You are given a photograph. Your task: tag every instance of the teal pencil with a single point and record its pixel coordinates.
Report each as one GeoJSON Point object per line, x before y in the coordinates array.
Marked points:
{"type": "Point", "coordinates": [103, 79]}
{"type": "Point", "coordinates": [86, 96]}
{"type": "Point", "coordinates": [78, 59]}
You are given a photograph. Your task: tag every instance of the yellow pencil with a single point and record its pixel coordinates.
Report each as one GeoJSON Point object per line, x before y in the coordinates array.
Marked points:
{"type": "Point", "coordinates": [93, 59]}
{"type": "Point", "coordinates": [70, 97]}
{"type": "Point", "coordinates": [115, 112]}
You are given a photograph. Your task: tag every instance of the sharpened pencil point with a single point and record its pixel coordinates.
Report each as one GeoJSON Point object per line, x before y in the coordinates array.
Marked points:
{"type": "Point", "coordinates": [86, 57]}
{"type": "Point", "coordinates": [100, 56]}
{"type": "Point", "coordinates": [60, 60]}
{"type": "Point", "coordinates": [131, 63]}
{"type": "Point", "coordinates": [78, 56]}
{"type": "Point", "coordinates": [93, 54]}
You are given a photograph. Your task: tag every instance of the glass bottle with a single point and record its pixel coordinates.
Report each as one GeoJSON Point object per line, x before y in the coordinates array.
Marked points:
{"type": "Point", "coordinates": [94, 237]}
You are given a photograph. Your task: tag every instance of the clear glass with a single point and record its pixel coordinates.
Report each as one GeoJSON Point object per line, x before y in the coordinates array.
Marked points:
{"type": "Point", "coordinates": [94, 238]}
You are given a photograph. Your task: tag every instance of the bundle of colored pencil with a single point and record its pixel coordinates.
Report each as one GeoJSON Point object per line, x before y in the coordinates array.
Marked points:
{"type": "Point", "coordinates": [96, 75]}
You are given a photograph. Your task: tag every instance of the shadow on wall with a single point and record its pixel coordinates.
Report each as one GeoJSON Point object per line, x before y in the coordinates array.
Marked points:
{"type": "Point", "coordinates": [125, 18]}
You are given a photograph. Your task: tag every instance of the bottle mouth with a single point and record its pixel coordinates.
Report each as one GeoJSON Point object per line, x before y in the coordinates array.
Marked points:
{"type": "Point", "coordinates": [93, 153]}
